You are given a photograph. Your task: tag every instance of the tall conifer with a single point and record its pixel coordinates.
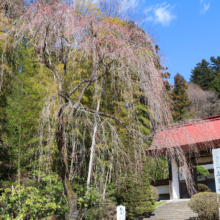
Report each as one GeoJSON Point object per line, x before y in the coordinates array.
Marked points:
{"type": "Point", "coordinates": [138, 196]}
{"type": "Point", "coordinates": [180, 98]}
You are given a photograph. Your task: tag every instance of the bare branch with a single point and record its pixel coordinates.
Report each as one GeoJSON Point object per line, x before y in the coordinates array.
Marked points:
{"type": "Point", "coordinates": [92, 78]}
{"type": "Point", "coordinates": [132, 133]}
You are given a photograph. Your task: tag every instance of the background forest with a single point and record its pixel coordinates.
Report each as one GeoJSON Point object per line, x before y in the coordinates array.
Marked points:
{"type": "Point", "coordinates": [32, 180]}
{"type": "Point", "coordinates": [200, 97]}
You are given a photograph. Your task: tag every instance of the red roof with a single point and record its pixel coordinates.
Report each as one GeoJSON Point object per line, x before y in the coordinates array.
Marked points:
{"type": "Point", "coordinates": [200, 133]}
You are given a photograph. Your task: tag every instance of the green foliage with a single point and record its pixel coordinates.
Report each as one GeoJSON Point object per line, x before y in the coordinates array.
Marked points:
{"type": "Point", "coordinates": [203, 188]}
{"type": "Point", "coordinates": [207, 74]}
{"type": "Point", "coordinates": [215, 85]}
{"type": "Point", "coordinates": [159, 203]}
{"type": "Point", "coordinates": [202, 75]}
{"type": "Point", "coordinates": [180, 98]}
{"type": "Point", "coordinates": [4, 150]}
{"type": "Point", "coordinates": [51, 185]}
{"type": "Point", "coordinates": [130, 189]}
{"type": "Point", "coordinates": [164, 74]}
{"type": "Point", "coordinates": [138, 199]}
{"type": "Point", "coordinates": [133, 191]}
{"type": "Point", "coordinates": [21, 104]}
{"type": "Point", "coordinates": [106, 210]}
{"type": "Point", "coordinates": [91, 204]}
{"type": "Point", "coordinates": [29, 202]}
{"type": "Point", "coordinates": [158, 168]}
{"type": "Point", "coordinates": [89, 199]}
{"type": "Point", "coordinates": [138, 195]}
{"type": "Point", "coordinates": [7, 66]}
{"type": "Point", "coordinates": [206, 204]}
{"type": "Point", "coordinates": [202, 170]}
{"type": "Point", "coordinates": [22, 97]}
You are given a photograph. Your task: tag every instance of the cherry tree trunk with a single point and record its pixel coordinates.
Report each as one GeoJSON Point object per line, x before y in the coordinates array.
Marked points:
{"type": "Point", "coordinates": [71, 196]}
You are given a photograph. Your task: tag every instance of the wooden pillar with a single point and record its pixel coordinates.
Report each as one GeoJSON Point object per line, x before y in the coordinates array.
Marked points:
{"type": "Point", "coordinates": [174, 180]}
{"type": "Point", "coordinates": [170, 180]}
{"type": "Point", "coordinates": [195, 179]}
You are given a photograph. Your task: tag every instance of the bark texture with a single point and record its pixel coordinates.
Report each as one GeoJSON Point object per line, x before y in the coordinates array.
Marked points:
{"type": "Point", "coordinates": [71, 196]}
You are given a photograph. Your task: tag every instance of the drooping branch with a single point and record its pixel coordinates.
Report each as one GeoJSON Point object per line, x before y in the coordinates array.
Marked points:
{"type": "Point", "coordinates": [48, 65]}
{"type": "Point", "coordinates": [131, 132]}
{"type": "Point", "coordinates": [93, 144]}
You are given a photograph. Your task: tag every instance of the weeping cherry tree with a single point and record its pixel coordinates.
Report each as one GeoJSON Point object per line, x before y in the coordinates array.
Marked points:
{"type": "Point", "coordinates": [82, 50]}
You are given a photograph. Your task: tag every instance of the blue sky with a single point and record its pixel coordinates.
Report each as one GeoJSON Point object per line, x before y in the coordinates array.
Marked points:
{"type": "Point", "coordinates": [186, 31]}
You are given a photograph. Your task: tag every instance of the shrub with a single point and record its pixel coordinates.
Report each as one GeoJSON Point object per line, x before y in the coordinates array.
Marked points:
{"type": "Point", "coordinates": [205, 205]}
{"type": "Point", "coordinates": [27, 203]}
{"type": "Point", "coordinates": [203, 188]}
{"type": "Point", "coordinates": [138, 198]}
{"type": "Point", "coordinates": [103, 210]}
{"type": "Point", "coordinates": [202, 170]}
{"type": "Point", "coordinates": [155, 193]}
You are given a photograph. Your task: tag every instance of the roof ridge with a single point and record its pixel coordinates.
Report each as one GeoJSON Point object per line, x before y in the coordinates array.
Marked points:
{"type": "Point", "coordinates": [192, 122]}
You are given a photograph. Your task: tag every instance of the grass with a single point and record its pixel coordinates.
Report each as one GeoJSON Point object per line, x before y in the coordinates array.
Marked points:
{"type": "Point", "coordinates": [159, 203]}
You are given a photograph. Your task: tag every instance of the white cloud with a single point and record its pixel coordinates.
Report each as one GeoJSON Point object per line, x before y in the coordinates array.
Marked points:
{"type": "Point", "coordinates": [149, 18]}
{"type": "Point", "coordinates": [205, 6]}
{"type": "Point", "coordinates": [160, 13]}
{"type": "Point", "coordinates": [148, 9]}
{"type": "Point", "coordinates": [163, 15]}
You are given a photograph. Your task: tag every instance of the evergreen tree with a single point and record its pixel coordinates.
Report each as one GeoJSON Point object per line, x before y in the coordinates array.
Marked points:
{"type": "Point", "coordinates": [207, 74]}
{"type": "Point", "coordinates": [180, 98]}
{"type": "Point", "coordinates": [215, 84]}
{"type": "Point", "coordinates": [202, 75]}
{"type": "Point", "coordinates": [138, 195]}
{"type": "Point", "coordinates": [164, 74]}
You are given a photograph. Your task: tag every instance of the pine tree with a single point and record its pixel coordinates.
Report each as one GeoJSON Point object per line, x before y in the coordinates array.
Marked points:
{"type": "Point", "coordinates": [180, 98]}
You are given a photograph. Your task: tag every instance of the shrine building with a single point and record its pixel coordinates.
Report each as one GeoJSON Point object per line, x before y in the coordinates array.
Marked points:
{"type": "Point", "coordinates": [196, 140]}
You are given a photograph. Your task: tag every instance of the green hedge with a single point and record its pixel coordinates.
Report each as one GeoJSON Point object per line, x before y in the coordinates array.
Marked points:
{"type": "Point", "coordinates": [203, 188]}
{"type": "Point", "coordinates": [205, 205]}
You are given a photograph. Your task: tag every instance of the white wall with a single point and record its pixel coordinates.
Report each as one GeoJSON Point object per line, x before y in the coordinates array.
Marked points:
{"type": "Point", "coordinates": [163, 189]}
{"type": "Point", "coordinates": [202, 178]}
